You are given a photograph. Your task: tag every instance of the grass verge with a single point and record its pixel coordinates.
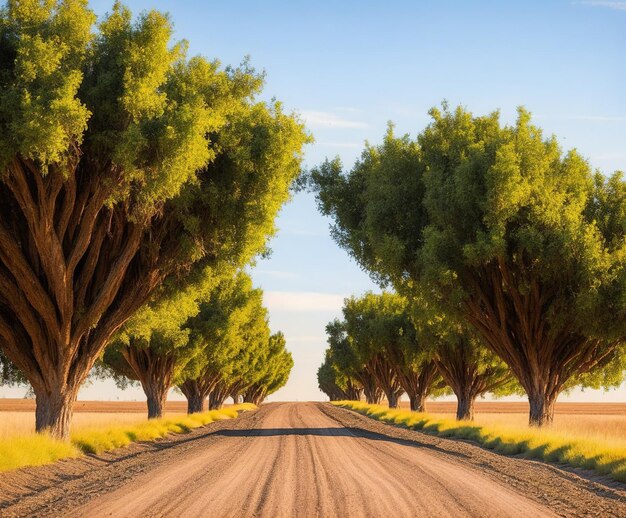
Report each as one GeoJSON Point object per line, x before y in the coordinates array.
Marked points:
{"type": "Point", "coordinates": [542, 444]}
{"type": "Point", "coordinates": [39, 449]}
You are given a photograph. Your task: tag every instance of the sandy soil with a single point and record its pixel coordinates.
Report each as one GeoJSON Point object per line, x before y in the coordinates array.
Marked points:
{"type": "Point", "coordinates": [311, 459]}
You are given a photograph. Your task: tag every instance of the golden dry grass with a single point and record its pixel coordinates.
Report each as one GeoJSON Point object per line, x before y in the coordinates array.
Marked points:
{"type": "Point", "coordinates": [23, 423]}
{"type": "Point", "coordinates": [585, 426]}
{"type": "Point", "coordinates": [92, 433]}
{"type": "Point", "coordinates": [575, 440]}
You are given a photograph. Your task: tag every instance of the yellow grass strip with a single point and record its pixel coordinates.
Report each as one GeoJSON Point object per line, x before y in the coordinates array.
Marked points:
{"type": "Point", "coordinates": [39, 449]}
{"type": "Point", "coordinates": [601, 456]}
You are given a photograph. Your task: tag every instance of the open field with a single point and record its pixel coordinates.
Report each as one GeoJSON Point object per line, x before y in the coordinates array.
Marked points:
{"type": "Point", "coordinates": [17, 415]}
{"type": "Point", "coordinates": [289, 457]}
{"type": "Point", "coordinates": [594, 421]}
{"type": "Point", "coordinates": [111, 407]}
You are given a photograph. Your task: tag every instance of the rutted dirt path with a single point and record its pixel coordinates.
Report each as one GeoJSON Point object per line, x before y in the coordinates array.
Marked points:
{"type": "Point", "coordinates": [309, 459]}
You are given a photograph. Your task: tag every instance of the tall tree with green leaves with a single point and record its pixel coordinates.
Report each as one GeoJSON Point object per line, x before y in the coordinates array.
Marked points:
{"type": "Point", "coordinates": [154, 347]}
{"type": "Point", "coordinates": [511, 235]}
{"type": "Point", "coordinates": [336, 384]}
{"type": "Point", "coordinates": [275, 365]}
{"type": "Point", "coordinates": [123, 163]}
{"type": "Point", "coordinates": [368, 332]}
{"type": "Point", "coordinates": [349, 362]}
{"type": "Point", "coordinates": [231, 323]}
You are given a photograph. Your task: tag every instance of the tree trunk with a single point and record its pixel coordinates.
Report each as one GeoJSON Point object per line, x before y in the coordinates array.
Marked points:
{"type": "Point", "coordinates": [393, 399]}
{"type": "Point", "coordinates": [195, 397]}
{"type": "Point", "coordinates": [541, 409]}
{"type": "Point", "coordinates": [465, 407]}
{"type": "Point", "coordinates": [235, 398]}
{"type": "Point", "coordinates": [156, 394]}
{"type": "Point", "coordinates": [195, 404]}
{"type": "Point", "coordinates": [216, 400]}
{"type": "Point", "coordinates": [417, 402]}
{"type": "Point", "coordinates": [53, 413]}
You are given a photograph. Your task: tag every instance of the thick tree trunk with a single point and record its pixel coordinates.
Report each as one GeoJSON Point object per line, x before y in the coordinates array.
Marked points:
{"type": "Point", "coordinates": [195, 397]}
{"type": "Point", "coordinates": [216, 400]}
{"type": "Point", "coordinates": [541, 409]}
{"type": "Point", "coordinates": [156, 394]}
{"type": "Point", "coordinates": [235, 398]}
{"type": "Point", "coordinates": [195, 404]}
{"type": "Point", "coordinates": [417, 402]}
{"type": "Point", "coordinates": [53, 413]}
{"type": "Point", "coordinates": [373, 397]}
{"type": "Point", "coordinates": [465, 407]}
{"type": "Point", "coordinates": [393, 399]}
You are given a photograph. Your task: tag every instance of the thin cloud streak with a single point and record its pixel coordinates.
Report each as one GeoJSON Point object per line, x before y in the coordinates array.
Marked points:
{"type": "Point", "coordinates": [302, 301]}
{"type": "Point", "coordinates": [317, 119]}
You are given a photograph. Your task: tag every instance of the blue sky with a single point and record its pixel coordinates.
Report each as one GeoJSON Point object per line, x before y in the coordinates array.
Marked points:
{"type": "Point", "coordinates": [349, 67]}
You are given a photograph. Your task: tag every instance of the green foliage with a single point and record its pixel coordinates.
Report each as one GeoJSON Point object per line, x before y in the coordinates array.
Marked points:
{"type": "Point", "coordinates": [500, 228]}
{"type": "Point", "coordinates": [9, 374]}
{"type": "Point", "coordinates": [127, 168]}
{"type": "Point", "coordinates": [43, 51]}
{"type": "Point", "coordinates": [273, 367]}
{"type": "Point", "coordinates": [232, 336]}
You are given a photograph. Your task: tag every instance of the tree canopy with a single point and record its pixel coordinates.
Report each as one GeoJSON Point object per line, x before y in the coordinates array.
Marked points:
{"type": "Point", "coordinates": [125, 164]}
{"type": "Point", "coordinates": [507, 232]}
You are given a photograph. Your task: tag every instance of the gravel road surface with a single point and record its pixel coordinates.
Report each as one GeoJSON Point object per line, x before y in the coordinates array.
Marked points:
{"type": "Point", "coordinates": [305, 459]}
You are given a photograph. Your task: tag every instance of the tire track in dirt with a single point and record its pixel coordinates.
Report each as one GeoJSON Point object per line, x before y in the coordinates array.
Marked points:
{"type": "Point", "coordinates": [299, 461]}
{"type": "Point", "coordinates": [304, 459]}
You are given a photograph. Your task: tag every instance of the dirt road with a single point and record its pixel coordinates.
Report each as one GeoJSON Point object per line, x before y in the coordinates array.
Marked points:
{"type": "Point", "coordinates": [310, 459]}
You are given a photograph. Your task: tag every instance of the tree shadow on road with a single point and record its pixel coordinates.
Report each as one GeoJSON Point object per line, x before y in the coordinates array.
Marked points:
{"type": "Point", "coordinates": [355, 433]}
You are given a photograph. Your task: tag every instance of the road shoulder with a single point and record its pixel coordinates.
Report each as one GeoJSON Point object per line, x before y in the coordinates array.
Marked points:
{"type": "Point", "coordinates": [564, 491]}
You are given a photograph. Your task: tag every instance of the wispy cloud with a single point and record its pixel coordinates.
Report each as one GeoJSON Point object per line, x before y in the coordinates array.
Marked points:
{"type": "Point", "coordinates": [302, 301]}
{"type": "Point", "coordinates": [618, 6]}
{"type": "Point", "coordinates": [316, 119]}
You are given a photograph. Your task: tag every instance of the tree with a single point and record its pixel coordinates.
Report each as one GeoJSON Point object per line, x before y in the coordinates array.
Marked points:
{"type": "Point", "coordinates": [124, 164]}
{"type": "Point", "coordinates": [348, 361]}
{"type": "Point", "coordinates": [500, 226]}
{"type": "Point", "coordinates": [466, 365]}
{"type": "Point", "coordinates": [154, 347]}
{"type": "Point", "coordinates": [230, 325]}
{"type": "Point", "coordinates": [9, 375]}
{"type": "Point", "coordinates": [334, 383]}
{"type": "Point", "coordinates": [276, 364]}
{"type": "Point", "coordinates": [249, 365]}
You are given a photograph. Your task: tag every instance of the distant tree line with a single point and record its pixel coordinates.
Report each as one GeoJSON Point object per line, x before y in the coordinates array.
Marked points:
{"type": "Point", "coordinates": [506, 251]}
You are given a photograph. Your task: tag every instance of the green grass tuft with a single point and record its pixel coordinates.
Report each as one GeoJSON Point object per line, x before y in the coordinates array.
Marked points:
{"type": "Point", "coordinates": [542, 444]}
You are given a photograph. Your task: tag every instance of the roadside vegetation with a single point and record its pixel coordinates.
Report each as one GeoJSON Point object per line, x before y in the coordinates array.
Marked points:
{"type": "Point", "coordinates": [507, 254]}
{"type": "Point", "coordinates": [605, 456]}
{"type": "Point", "coordinates": [134, 179]}
{"type": "Point", "coordinates": [22, 450]}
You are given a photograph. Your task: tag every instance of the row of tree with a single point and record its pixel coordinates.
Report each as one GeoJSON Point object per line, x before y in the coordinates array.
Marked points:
{"type": "Point", "coordinates": [128, 172]}
{"type": "Point", "coordinates": [493, 228]}
{"type": "Point", "coordinates": [214, 347]}
{"type": "Point", "coordinates": [383, 347]}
